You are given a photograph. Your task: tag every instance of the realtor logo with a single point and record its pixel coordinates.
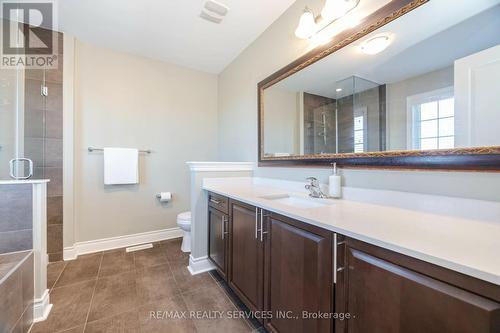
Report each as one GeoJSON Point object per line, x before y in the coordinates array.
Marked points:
{"type": "Point", "coordinates": [27, 34]}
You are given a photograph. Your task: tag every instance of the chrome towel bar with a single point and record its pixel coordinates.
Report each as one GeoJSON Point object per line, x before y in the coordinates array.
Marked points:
{"type": "Point", "coordinates": [91, 149]}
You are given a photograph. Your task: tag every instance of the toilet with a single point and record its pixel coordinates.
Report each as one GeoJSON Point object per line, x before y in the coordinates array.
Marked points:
{"type": "Point", "coordinates": [184, 222]}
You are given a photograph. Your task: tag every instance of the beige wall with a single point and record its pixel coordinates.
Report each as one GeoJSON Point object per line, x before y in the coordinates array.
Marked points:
{"type": "Point", "coordinates": [128, 101]}
{"type": "Point", "coordinates": [281, 128]}
{"type": "Point", "coordinates": [237, 120]}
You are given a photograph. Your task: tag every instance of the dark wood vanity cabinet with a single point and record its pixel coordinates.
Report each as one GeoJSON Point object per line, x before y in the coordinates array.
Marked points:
{"type": "Point", "coordinates": [387, 292]}
{"type": "Point", "coordinates": [297, 276]}
{"type": "Point", "coordinates": [284, 269]}
{"type": "Point", "coordinates": [218, 234]}
{"type": "Point", "coordinates": [276, 265]}
{"type": "Point", "coordinates": [246, 249]}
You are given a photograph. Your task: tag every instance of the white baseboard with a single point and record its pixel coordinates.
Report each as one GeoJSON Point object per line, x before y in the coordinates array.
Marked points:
{"type": "Point", "coordinates": [71, 253]}
{"type": "Point", "coordinates": [199, 265]}
{"type": "Point", "coordinates": [41, 307]}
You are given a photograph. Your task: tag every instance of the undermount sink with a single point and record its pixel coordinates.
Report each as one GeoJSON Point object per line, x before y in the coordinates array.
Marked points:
{"type": "Point", "coordinates": [297, 201]}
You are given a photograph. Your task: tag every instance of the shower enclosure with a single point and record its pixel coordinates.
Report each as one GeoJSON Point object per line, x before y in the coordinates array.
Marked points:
{"type": "Point", "coordinates": [16, 215]}
{"type": "Point", "coordinates": [31, 135]}
{"type": "Point", "coordinates": [351, 119]}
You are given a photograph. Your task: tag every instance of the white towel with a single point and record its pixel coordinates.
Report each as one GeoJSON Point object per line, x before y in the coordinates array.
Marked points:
{"type": "Point", "coordinates": [121, 166]}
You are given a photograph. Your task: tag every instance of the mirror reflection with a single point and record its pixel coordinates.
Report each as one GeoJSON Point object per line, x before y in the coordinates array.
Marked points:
{"type": "Point", "coordinates": [395, 89]}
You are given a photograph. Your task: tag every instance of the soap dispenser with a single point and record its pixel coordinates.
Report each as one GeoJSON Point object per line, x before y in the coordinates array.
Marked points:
{"type": "Point", "coordinates": [335, 183]}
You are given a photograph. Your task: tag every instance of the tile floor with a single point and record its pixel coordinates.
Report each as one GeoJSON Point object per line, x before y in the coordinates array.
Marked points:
{"type": "Point", "coordinates": [115, 291]}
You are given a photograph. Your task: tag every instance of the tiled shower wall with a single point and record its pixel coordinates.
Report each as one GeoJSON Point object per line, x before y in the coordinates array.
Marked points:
{"type": "Point", "coordinates": [44, 143]}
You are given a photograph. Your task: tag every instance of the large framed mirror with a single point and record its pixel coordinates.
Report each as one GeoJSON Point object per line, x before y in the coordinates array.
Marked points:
{"type": "Point", "coordinates": [413, 84]}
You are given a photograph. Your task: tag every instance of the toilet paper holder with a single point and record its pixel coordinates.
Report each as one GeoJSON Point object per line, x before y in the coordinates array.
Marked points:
{"type": "Point", "coordinates": [158, 196]}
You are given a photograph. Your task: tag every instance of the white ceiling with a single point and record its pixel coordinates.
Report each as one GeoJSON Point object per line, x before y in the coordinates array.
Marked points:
{"type": "Point", "coordinates": [429, 38]}
{"type": "Point", "coordinates": [170, 30]}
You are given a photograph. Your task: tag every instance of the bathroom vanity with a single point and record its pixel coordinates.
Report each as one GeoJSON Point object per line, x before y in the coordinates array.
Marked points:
{"type": "Point", "coordinates": [299, 263]}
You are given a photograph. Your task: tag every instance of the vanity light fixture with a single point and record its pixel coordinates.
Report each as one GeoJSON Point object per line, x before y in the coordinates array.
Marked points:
{"type": "Point", "coordinates": [335, 9]}
{"type": "Point", "coordinates": [375, 44]}
{"type": "Point", "coordinates": [309, 25]}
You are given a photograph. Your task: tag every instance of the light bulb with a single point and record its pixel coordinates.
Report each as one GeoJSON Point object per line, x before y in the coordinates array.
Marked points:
{"type": "Point", "coordinates": [375, 45]}
{"type": "Point", "coordinates": [307, 25]}
{"type": "Point", "coordinates": [334, 9]}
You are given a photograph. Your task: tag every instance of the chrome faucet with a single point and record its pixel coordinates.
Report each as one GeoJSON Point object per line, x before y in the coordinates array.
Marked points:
{"type": "Point", "coordinates": [314, 188]}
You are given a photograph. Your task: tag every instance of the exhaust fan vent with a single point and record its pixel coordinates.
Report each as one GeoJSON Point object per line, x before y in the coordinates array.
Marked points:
{"type": "Point", "coordinates": [216, 8]}
{"type": "Point", "coordinates": [214, 11]}
{"type": "Point", "coordinates": [210, 18]}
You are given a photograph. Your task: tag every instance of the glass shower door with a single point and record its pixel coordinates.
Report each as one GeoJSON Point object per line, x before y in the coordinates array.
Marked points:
{"type": "Point", "coordinates": [19, 152]}
{"type": "Point", "coordinates": [11, 122]}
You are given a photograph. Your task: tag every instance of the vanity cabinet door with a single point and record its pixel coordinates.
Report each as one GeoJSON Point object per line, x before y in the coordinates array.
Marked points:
{"type": "Point", "coordinates": [246, 260]}
{"type": "Point", "coordinates": [388, 298]}
{"type": "Point", "coordinates": [218, 239]}
{"type": "Point", "coordinates": [298, 276]}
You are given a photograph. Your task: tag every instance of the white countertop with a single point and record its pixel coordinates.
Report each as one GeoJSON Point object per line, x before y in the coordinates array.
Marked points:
{"type": "Point", "coordinates": [465, 245]}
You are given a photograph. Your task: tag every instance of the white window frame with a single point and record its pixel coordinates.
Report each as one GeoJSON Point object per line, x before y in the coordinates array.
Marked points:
{"type": "Point", "coordinates": [411, 116]}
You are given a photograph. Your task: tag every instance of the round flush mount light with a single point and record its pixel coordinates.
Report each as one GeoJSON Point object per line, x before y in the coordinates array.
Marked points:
{"type": "Point", "coordinates": [376, 44]}
{"type": "Point", "coordinates": [307, 25]}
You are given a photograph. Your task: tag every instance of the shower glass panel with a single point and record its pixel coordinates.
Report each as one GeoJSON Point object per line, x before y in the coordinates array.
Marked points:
{"type": "Point", "coordinates": [11, 144]}
{"type": "Point", "coordinates": [360, 114]}
{"type": "Point", "coordinates": [22, 133]}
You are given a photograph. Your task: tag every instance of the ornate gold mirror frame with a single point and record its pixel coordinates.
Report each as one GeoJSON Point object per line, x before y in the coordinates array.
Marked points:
{"type": "Point", "coordinates": [473, 159]}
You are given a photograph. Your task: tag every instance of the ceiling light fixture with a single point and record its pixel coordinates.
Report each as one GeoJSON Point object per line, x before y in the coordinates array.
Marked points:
{"type": "Point", "coordinates": [375, 44]}
{"type": "Point", "coordinates": [309, 25]}
{"type": "Point", "coordinates": [338, 89]}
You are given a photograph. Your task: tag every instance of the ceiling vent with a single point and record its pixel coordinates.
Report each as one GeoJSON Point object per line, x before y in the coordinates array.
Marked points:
{"type": "Point", "coordinates": [214, 11]}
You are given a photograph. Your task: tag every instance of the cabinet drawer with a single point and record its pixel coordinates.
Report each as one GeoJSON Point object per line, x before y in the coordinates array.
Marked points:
{"type": "Point", "coordinates": [218, 202]}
